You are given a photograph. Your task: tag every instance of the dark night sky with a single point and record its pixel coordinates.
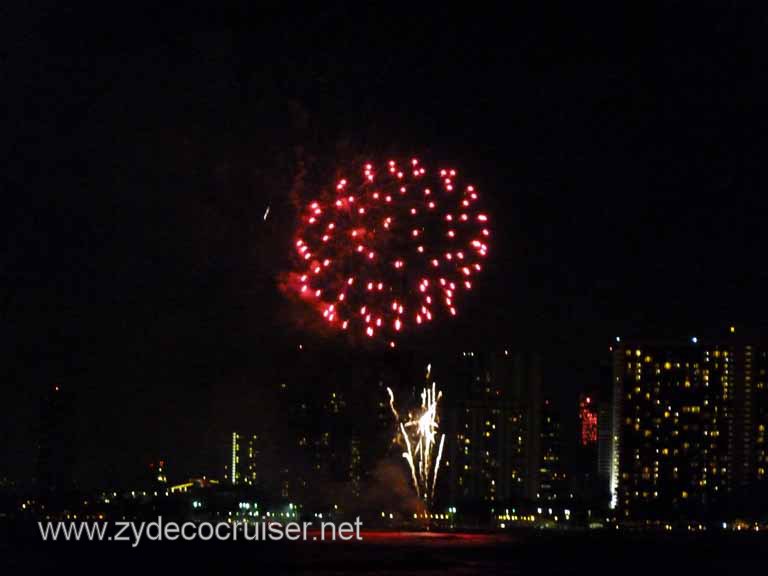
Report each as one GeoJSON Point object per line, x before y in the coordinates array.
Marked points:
{"type": "Point", "coordinates": [623, 153]}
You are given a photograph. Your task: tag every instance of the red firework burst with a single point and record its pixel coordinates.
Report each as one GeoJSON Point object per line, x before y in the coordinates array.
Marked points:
{"type": "Point", "coordinates": [390, 250]}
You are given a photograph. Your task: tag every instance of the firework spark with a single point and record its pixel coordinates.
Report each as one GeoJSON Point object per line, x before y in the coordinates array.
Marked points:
{"type": "Point", "coordinates": [390, 251]}
{"type": "Point", "coordinates": [419, 434]}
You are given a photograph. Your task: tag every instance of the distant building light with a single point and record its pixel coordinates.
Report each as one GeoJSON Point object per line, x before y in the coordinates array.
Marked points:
{"type": "Point", "coordinates": [694, 340]}
{"type": "Point", "coordinates": [618, 338]}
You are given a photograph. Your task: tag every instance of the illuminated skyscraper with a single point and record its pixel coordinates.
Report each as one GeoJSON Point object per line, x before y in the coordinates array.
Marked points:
{"type": "Point", "coordinates": [243, 456]}
{"type": "Point", "coordinates": [760, 421]}
{"type": "Point", "coordinates": [588, 482]}
{"type": "Point", "coordinates": [604, 445]}
{"type": "Point", "coordinates": [493, 427]}
{"type": "Point", "coordinates": [552, 479]}
{"type": "Point", "coordinates": [232, 469]}
{"type": "Point", "coordinates": [750, 412]}
{"type": "Point", "coordinates": [588, 418]}
{"type": "Point", "coordinates": [687, 420]}
{"type": "Point", "coordinates": [251, 470]}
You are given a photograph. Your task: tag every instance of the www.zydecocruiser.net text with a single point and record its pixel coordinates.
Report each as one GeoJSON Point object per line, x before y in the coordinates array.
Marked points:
{"type": "Point", "coordinates": [158, 530]}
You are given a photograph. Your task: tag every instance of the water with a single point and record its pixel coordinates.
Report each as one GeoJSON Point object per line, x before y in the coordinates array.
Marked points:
{"type": "Point", "coordinates": [380, 553]}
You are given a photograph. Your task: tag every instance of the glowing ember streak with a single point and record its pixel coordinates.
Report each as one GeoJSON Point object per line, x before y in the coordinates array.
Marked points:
{"type": "Point", "coordinates": [418, 434]}
{"type": "Point", "coordinates": [378, 228]}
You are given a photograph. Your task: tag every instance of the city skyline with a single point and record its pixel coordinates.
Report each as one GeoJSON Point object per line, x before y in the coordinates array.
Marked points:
{"type": "Point", "coordinates": [504, 438]}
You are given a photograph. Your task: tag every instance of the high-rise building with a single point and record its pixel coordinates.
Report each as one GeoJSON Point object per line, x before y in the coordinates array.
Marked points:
{"type": "Point", "coordinates": [686, 424]}
{"type": "Point", "coordinates": [604, 445]}
{"type": "Point", "coordinates": [591, 465]}
{"type": "Point", "coordinates": [355, 468]}
{"type": "Point", "coordinates": [493, 426]}
{"type": "Point", "coordinates": [587, 481]}
{"type": "Point", "coordinates": [605, 480]}
{"type": "Point", "coordinates": [552, 478]}
{"type": "Point", "coordinates": [232, 469]}
{"type": "Point", "coordinates": [760, 415]}
{"type": "Point", "coordinates": [251, 469]}
{"type": "Point", "coordinates": [750, 412]}
{"type": "Point", "coordinates": [243, 456]}
{"type": "Point", "coordinates": [319, 443]}
{"type": "Point", "coordinates": [588, 417]}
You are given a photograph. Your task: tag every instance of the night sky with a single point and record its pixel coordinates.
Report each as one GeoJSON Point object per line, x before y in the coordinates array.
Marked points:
{"type": "Point", "coordinates": [622, 153]}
